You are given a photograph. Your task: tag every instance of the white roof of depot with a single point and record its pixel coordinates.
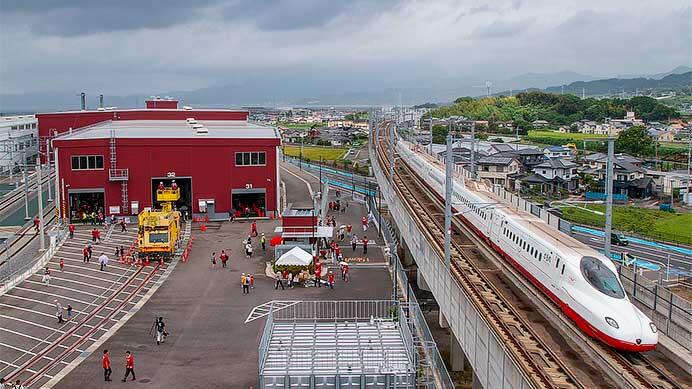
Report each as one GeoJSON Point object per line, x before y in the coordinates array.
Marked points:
{"type": "Point", "coordinates": [224, 129]}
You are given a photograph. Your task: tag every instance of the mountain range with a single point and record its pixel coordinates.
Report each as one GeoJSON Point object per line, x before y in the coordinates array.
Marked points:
{"type": "Point", "coordinates": [299, 93]}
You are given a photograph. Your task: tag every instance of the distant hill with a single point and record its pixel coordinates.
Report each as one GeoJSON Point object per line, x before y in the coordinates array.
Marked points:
{"type": "Point", "coordinates": [671, 82]}
{"type": "Point", "coordinates": [542, 80]}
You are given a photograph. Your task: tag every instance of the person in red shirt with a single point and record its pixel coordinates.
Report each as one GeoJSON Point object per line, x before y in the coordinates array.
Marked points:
{"type": "Point", "coordinates": [318, 274]}
{"type": "Point", "coordinates": [254, 228]}
{"type": "Point", "coordinates": [85, 251]}
{"type": "Point", "coordinates": [129, 366]}
{"type": "Point", "coordinates": [224, 258]}
{"type": "Point", "coordinates": [37, 221]}
{"type": "Point", "coordinates": [365, 244]}
{"type": "Point", "coordinates": [93, 235]}
{"type": "Point", "coordinates": [364, 222]}
{"type": "Point", "coordinates": [98, 236]}
{"type": "Point", "coordinates": [161, 187]}
{"type": "Point", "coordinates": [106, 363]}
{"type": "Point", "coordinates": [349, 228]}
{"type": "Point", "coordinates": [330, 277]}
{"type": "Point", "coordinates": [62, 264]}
{"type": "Point", "coordinates": [337, 250]}
{"type": "Point", "coordinates": [71, 230]}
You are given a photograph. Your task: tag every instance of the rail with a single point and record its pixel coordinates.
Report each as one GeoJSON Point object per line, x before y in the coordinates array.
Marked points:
{"type": "Point", "coordinates": [626, 372]}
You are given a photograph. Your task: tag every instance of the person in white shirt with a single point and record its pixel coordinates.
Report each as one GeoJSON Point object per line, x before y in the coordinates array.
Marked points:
{"type": "Point", "coordinates": [103, 261]}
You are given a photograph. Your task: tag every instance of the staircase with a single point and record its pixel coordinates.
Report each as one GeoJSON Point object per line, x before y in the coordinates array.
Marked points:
{"type": "Point", "coordinates": [118, 175]}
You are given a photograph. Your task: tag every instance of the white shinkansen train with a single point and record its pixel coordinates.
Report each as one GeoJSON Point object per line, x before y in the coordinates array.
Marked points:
{"type": "Point", "coordinates": [580, 280]}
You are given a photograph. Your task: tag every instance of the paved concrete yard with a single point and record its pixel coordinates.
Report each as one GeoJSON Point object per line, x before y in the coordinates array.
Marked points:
{"type": "Point", "coordinates": [204, 309]}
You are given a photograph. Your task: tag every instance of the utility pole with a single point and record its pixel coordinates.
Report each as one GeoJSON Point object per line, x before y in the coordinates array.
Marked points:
{"type": "Point", "coordinates": [431, 132]}
{"type": "Point", "coordinates": [26, 187]}
{"type": "Point", "coordinates": [41, 226]}
{"type": "Point", "coordinates": [301, 151]}
{"type": "Point", "coordinates": [473, 151]}
{"type": "Point", "coordinates": [689, 163]}
{"type": "Point", "coordinates": [516, 136]}
{"type": "Point", "coordinates": [449, 172]}
{"type": "Point", "coordinates": [609, 194]}
{"type": "Point", "coordinates": [391, 154]}
{"type": "Point", "coordinates": [50, 197]}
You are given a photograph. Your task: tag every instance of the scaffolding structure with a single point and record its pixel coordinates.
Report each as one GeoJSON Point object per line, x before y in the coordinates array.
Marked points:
{"type": "Point", "coordinates": [339, 344]}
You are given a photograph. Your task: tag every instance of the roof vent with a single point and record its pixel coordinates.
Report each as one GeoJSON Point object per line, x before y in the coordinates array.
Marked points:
{"type": "Point", "coordinates": [100, 109]}
{"type": "Point", "coordinates": [187, 108]}
{"type": "Point", "coordinates": [201, 131]}
{"type": "Point", "coordinates": [197, 125]}
{"type": "Point", "coordinates": [191, 120]}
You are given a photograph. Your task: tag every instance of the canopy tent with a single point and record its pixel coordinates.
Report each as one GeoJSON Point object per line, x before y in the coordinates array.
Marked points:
{"type": "Point", "coordinates": [295, 257]}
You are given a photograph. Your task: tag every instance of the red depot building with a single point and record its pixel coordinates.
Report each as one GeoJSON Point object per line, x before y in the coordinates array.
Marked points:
{"type": "Point", "coordinates": [219, 160]}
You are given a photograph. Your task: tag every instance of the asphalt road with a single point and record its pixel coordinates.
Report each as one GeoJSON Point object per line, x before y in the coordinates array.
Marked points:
{"type": "Point", "coordinates": [679, 263]}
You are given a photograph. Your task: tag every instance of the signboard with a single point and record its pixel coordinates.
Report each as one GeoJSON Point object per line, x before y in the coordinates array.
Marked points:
{"type": "Point", "coordinates": [134, 206]}
{"type": "Point", "coordinates": [114, 209]}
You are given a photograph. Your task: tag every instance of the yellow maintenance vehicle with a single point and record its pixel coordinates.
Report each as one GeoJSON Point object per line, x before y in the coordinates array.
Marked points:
{"type": "Point", "coordinates": [159, 229]}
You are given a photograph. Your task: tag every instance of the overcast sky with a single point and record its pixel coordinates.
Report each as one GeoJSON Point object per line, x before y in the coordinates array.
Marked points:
{"type": "Point", "coordinates": [142, 46]}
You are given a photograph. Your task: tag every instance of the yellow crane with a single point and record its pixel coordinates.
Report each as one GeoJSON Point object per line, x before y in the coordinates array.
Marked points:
{"type": "Point", "coordinates": [159, 229]}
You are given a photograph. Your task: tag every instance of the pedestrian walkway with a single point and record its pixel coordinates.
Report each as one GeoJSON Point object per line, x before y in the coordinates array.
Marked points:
{"type": "Point", "coordinates": [33, 343]}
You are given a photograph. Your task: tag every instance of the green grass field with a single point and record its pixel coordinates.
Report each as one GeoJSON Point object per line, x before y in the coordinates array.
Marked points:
{"type": "Point", "coordinates": [643, 221]}
{"type": "Point", "coordinates": [314, 153]}
{"type": "Point", "coordinates": [566, 136]}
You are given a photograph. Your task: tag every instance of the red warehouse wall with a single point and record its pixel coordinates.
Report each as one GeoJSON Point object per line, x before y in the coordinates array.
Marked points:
{"type": "Point", "coordinates": [210, 163]}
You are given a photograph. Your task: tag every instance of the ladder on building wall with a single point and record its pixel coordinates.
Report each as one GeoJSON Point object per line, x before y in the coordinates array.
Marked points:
{"type": "Point", "coordinates": [121, 175]}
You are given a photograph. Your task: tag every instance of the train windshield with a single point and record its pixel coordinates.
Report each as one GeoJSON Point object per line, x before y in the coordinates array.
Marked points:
{"type": "Point", "coordinates": [158, 237]}
{"type": "Point", "coordinates": [601, 278]}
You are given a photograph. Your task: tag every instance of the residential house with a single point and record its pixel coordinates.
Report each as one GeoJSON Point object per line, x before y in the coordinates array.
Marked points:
{"type": "Point", "coordinates": [661, 135]}
{"type": "Point", "coordinates": [559, 152]}
{"type": "Point", "coordinates": [528, 157]}
{"type": "Point", "coordinates": [497, 170]}
{"type": "Point", "coordinates": [628, 176]}
{"type": "Point", "coordinates": [551, 176]}
{"type": "Point", "coordinates": [540, 123]}
{"type": "Point", "coordinates": [668, 183]}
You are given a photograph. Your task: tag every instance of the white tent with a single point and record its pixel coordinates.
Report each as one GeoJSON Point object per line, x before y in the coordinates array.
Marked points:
{"type": "Point", "coordinates": [295, 257]}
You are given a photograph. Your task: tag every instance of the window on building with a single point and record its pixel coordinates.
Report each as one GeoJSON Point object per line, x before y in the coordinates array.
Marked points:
{"type": "Point", "coordinates": [486, 168]}
{"type": "Point", "coordinates": [500, 168]}
{"type": "Point", "coordinates": [87, 162]}
{"type": "Point", "coordinates": [254, 158]}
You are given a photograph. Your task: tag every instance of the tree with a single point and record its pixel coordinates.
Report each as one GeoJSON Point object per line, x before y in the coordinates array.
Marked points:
{"type": "Point", "coordinates": [482, 135]}
{"type": "Point", "coordinates": [439, 134]}
{"type": "Point", "coordinates": [635, 140]}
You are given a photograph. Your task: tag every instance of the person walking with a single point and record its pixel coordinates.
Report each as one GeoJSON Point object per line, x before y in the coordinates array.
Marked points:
{"type": "Point", "coordinates": [3, 383]}
{"type": "Point", "coordinates": [46, 276]}
{"type": "Point", "coordinates": [122, 225]}
{"type": "Point", "coordinates": [98, 235]}
{"type": "Point", "coordinates": [224, 258]}
{"type": "Point", "coordinates": [69, 312]}
{"type": "Point", "coordinates": [243, 278]}
{"type": "Point", "coordinates": [18, 385]}
{"type": "Point", "coordinates": [71, 228]}
{"type": "Point", "coordinates": [263, 242]}
{"type": "Point", "coordinates": [252, 281]}
{"type": "Point", "coordinates": [106, 363]}
{"type": "Point", "coordinates": [349, 229]}
{"type": "Point", "coordinates": [279, 281]}
{"type": "Point", "coordinates": [354, 242]}
{"type": "Point", "coordinates": [85, 251]}
{"type": "Point", "coordinates": [58, 311]}
{"type": "Point", "coordinates": [62, 264]}
{"type": "Point", "coordinates": [37, 223]}
{"type": "Point", "coordinates": [213, 260]}
{"type": "Point", "coordinates": [253, 226]}
{"type": "Point", "coordinates": [103, 260]}
{"type": "Point", "coordinates": [246, 285]}
{"type": "Point", "coordinates": [365, 244]}
{"type": "Point", "coordinates": [129, 366]}
{"type": "Point", "coordinates": [364, 222]}
{"type": "Point", "coordinates": [330, 278]}
{"type": "Point", "coordinates": [248, 250]}
{"type": "Point", "coordinates": [318, 274]}
{"type": "Point", "coordinates": [160, 327]}
{"type": "Point", "coordinates": [93, 235]}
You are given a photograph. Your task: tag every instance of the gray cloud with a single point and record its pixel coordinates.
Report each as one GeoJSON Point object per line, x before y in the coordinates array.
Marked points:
{"type": "Point", "coordinates": [291, 47]}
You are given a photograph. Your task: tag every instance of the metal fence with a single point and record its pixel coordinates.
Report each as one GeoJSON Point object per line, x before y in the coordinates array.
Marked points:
{"type": "Point", "coordinates": [671, 313]}
{"type": "Point", "coordinates": [17, 269]}
{"type": "Point", "coordinates": [432, 371]}
{"type": "Point", "coordinates": [360, 310]}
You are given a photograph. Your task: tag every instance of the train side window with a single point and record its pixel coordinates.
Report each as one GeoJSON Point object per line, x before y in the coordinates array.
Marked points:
{"type": "Point", "coordinates": [557, 263]}
{"type": "Point", "coordinates": [563, 269]}
{"type": "Point", "coordinates": [540, 257]}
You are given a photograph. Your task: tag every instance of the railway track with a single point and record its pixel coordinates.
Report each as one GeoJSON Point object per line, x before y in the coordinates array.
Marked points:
{"type": "Point", "coordinates": [26, 235]}
{"type": "Point", "coordinates": [10, 199]}
{"type": "Point", "coordinates": [35, 371]}
{"type": "Point", "coordinates": [543, 368]}
{"type": "Point", "coordinates": [629, 370]}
